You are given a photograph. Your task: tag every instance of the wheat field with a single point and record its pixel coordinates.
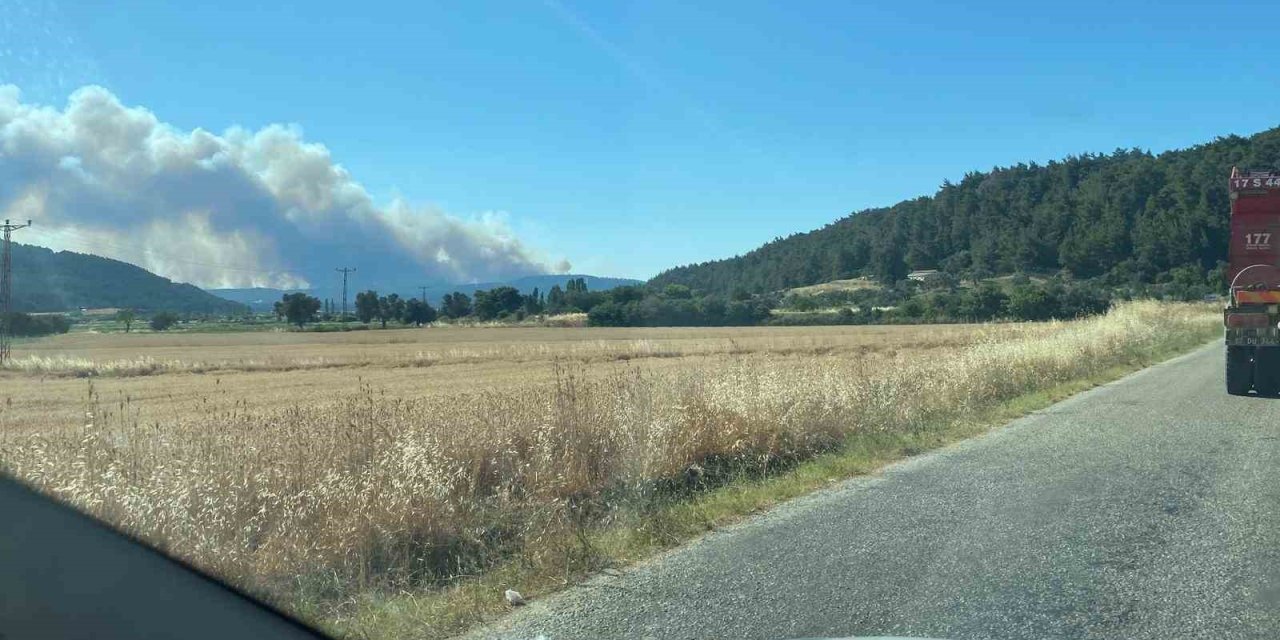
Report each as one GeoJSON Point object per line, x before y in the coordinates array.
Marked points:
{"type": "Point", "coordinates": [314, 468]}
{"type": "Point", "coordinates": [163, 377]}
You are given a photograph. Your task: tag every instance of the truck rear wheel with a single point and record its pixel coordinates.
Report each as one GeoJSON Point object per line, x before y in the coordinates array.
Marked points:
{"type": "Point", "coordinates": [1266, 371]}
{"type": "Point", "coordinates": [1239, 370]}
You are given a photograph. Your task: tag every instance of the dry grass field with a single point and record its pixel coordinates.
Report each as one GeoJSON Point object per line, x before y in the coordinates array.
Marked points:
{"type": "Point", "coordinates": [332, 471]}
{"type": "Point", "coordinates": [852, 284]}
{"type": "Point", "coordinates": [161, 378]}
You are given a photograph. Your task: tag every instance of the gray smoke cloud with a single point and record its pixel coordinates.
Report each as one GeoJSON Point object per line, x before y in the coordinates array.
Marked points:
{"type": "Point", "coordinates": [239, 209]}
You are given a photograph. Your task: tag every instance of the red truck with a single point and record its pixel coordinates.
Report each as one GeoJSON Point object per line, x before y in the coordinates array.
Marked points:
{"type": "Point", "coordinates": [1252, 316]}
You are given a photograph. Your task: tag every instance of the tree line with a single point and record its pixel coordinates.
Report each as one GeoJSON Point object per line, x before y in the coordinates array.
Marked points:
{"type": "Point", "coordinates": [1124, 219]}
{"type": "Point", "coordinates": [500, 304]}
{"type": "Point", "coordinates": [159, 321]}
{"type": "Point", "coordinates": [940, 300]}
{"type": "Point", "coordinates": [621, 306]}
{"type": "Point", "coordinates": [300, 309]}
{"type": "Point", "coordinates": [30, 325]}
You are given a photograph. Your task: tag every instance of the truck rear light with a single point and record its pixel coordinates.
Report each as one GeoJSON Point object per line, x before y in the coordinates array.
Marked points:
{"type": "Point", "coordinates": [1246, 320]}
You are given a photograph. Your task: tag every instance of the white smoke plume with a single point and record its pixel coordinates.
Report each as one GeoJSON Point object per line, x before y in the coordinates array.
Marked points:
{"type": "Point", "coordinates": [244, 208]}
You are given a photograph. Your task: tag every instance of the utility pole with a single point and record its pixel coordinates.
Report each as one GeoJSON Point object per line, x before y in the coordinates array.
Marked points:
{"type": "Point", "coordinates": [6, 291]}
{"type": "Point", "coordinates": [424, 294]}
{"type": "Point", "coordinates": [344, 271]}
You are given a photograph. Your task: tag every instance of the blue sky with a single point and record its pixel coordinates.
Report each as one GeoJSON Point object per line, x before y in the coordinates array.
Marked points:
{"type": "Point", "coordinates": [630, 137]}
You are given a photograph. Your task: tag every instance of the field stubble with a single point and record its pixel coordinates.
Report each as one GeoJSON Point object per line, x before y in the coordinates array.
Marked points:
{"type": "Point", "coordinates": [143, 354]}
{"type": "Point", "coordinates": [318, 504]}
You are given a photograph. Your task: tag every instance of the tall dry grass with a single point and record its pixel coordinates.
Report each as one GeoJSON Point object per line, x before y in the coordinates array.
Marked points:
{"type": "Point", "coordinates": [318, 503]}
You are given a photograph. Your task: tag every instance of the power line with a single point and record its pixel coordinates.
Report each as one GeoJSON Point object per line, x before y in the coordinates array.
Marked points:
{"type": "Point", "coordinates": [6, 291]}
{"type": "Point", "coordinates": [344, 271]}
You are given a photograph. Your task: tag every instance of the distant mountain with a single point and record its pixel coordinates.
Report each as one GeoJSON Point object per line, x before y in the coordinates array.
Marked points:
{"type": "Point", "coordinates": [1126, 218]}
{"type": "Point", "coordinates": [262, 299]}
{"type": "Point", "coordinates": [256, 298]}
{"type": "Point", "coordinates": [542, 283]}
{"type": "Point", "coordinates": [45, 280]}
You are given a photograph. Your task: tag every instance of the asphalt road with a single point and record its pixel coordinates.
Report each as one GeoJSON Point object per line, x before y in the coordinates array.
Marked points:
{"type": "Point", "coordinates": [1146, 508]}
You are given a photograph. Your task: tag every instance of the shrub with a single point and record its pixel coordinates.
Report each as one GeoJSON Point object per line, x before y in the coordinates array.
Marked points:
{"type": "Point", "coordinates": [163, 320]}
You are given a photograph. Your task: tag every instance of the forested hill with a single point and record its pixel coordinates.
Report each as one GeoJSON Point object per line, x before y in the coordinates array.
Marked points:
{"type": "Point", "coordinates": [1128, 217]}
{"type": "Point", "coordinates": [45, 280]}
